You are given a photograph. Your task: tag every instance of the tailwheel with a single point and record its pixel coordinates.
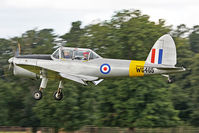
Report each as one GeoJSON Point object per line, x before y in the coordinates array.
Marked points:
{"type": "Point", "coordinates": [58, 95]}
{"type": "Point", "coordinates": [170, 80]}
{"type": "Point", "coordinates": [37, 95]}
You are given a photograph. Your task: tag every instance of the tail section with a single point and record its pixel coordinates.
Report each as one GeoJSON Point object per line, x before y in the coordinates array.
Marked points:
{"type": "Point", "coordinates": [163, 52]}
{"type": "Point", "coordinates": [161, 60]}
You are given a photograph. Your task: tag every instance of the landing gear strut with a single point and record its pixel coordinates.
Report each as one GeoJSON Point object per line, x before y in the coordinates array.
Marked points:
{"type": "Point", "coordinates": [170, 79]}
{"type": "Point", "coordinates": [37, 95]}
{"type": "Point", "coordinates": [58, 95]}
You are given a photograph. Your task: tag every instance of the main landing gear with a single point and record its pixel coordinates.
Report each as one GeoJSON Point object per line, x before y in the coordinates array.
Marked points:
{"type": "Point", "coordinates": [37, 95]}
{"type": "Point", "coordinates": [58, 95]}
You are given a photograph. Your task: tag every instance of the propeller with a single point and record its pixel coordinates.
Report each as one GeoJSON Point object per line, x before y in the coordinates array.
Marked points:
{"type": "Point", "coordinates": [17, 53]}
{"type": "Point", "coordinates": [5, 75]}
{"type": "Point", "coordinates": [59, 43]}
{"type": "Point", "coordinates": [11, 61]}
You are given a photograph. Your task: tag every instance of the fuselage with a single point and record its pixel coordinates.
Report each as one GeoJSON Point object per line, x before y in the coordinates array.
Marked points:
{"type": "Point", "coordinates": [102, 67]}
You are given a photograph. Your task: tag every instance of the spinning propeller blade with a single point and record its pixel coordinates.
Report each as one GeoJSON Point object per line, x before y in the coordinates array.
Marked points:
{"type": "Point", "coordinates": [18, 52]}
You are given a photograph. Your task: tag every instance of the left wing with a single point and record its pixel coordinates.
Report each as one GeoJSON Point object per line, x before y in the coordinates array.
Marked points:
{"type": "Point", "coordinates": [53, 74]}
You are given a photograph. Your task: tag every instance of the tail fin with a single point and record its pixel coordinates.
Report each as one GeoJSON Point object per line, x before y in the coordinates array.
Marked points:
{"type": "Point", "coordinates": [163, 52]}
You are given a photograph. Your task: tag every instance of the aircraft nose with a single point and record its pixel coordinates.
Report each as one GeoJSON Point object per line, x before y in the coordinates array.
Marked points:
{"type": "Point", "coordinates": [10, 60]}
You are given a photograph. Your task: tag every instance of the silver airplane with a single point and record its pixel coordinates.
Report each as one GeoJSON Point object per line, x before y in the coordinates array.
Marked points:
{"type": "Point", "coordinates": [84, 65]}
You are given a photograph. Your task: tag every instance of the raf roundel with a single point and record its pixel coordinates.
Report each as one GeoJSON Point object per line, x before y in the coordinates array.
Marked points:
{"type": "Point", "coordinates": [105, 68]}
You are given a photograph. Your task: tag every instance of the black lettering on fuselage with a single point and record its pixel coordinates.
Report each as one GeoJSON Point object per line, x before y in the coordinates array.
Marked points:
{"type": "Point", "coordinates": [148, 70]}
{"type": "Point", "coordinates": [140, 69]}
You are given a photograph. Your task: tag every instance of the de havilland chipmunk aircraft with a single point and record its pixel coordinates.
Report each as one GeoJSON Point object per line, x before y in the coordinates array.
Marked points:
{"type": "Point", "coordinates": [84, 65]}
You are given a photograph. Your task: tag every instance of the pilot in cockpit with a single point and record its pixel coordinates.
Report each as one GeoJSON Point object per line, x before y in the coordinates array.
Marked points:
{"type": "Point", "coordinates": [66, 54]}
{"type": "Point", "coordinates": [85, 54]}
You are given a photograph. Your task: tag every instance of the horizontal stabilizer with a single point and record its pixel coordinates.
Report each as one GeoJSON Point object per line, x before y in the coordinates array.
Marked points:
{"type": "Point", "coordinates": [175, 68]}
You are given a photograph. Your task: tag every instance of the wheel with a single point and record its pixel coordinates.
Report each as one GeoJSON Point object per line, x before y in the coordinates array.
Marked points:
{"type": "Point", "coordinates": [170, 80]}
{"type": "Point", "coordinates": [58, 96]}
{"type": "Point", "coordinates": [37, 95]}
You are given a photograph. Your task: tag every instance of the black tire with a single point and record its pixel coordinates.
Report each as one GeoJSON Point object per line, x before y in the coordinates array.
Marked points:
{"type": "Point", "coordinates": [37, 95]}
{"type": "Point", "coordinates": [57, 96]}
{"type": "Point", "coordinates": [171, 80]}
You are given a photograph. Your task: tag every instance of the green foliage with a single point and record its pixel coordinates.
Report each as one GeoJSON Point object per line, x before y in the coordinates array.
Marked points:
{"type": "Point", "coordinates": [126, 34]}
{"type": "Point", "coordinates": [74, 35]}
{"type": "Point", "coordinates": [181, 31]}
{"type": "Point", "coordinates": [143, 102]}
{"type": "Point", "coordinates": [194, 39]}
{"type": "Point", "coordinates": [71, 113]}
{"type": "Point", "coordinates": [37, 42]}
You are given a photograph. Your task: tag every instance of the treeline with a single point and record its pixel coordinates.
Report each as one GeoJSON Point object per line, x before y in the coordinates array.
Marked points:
{"type": "Point", "coordinates": [120, 102]}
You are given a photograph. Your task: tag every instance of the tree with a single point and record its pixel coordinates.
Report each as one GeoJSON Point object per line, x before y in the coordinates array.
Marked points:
{"type": "Point", "coordinates": [194, 39]}
{"type": "Point", "coordinates": [194, 92]}
{"type": "Point", "coordinates": [73, 112]}
{"type": "Point", "coordinates": [181, 31]}
{"type": "Point", "coordinates": [143, 102]}
{"type": "Point", "coordinates": [74, 34]}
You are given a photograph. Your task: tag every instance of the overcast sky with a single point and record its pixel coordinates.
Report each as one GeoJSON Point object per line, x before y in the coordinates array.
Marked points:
{"type": "Point", "coordinates": [18, 16]}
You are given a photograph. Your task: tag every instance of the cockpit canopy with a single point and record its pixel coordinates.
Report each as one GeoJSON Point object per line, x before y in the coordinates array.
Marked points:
{"type": "Point", "coordinates": [74, 54]}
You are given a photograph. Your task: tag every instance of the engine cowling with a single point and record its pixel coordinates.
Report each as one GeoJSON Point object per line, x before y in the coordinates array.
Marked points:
{"type": "Point", "coordinates": [19, 71]}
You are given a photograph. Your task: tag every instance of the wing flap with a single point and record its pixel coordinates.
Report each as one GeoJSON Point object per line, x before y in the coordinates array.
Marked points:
{"type": "Point", "coordinates": [79, 78]}
{"type": "Point", "coordinates": [73, 78]}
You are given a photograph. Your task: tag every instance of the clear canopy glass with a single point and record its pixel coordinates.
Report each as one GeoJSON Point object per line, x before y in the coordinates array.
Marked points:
{"type": "Point", "coordinates": [74, 54]}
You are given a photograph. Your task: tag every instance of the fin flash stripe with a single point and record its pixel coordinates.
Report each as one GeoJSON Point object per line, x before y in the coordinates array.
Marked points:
{"type": "Point", "coordinates": [160, 56]}
{"type": "Point", "coordinates": [153, 56]}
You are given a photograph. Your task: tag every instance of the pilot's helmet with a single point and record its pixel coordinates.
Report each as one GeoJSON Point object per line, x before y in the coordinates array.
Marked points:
{"type": "Point", "coordinates": [85, 53]}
